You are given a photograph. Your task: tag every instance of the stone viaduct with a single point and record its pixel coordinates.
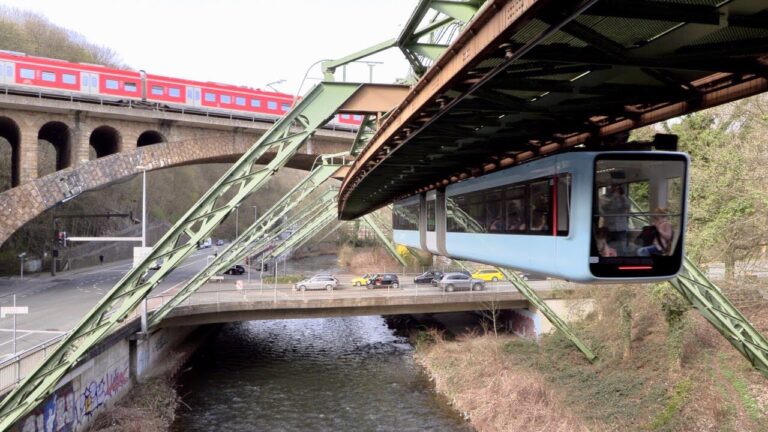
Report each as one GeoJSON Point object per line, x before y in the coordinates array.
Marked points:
{"type": "Point", "coordinates": [98, 144]}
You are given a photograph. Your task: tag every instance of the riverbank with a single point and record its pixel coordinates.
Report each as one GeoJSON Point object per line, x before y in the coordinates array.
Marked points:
{"type": "Point", "coordinates": [649, 375]}
{"type": "Point", "coordinates": [149, 407]}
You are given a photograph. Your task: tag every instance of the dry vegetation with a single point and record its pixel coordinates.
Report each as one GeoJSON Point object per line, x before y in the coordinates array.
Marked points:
{"type": "Point", "coordinates": [507, 383]}
{"type": "Point", "coordinates": [148, 407]}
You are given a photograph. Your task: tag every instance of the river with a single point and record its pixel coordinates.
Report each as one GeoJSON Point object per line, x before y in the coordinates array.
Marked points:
{"type": "Point", "coordinates": [331, 374]}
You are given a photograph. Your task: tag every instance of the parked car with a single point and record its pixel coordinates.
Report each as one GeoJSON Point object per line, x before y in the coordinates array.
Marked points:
{"type": "Point", "coordinates": [436, 282]}
{"type": "Point", "coordinates": [384, 279]}
{"type": "Point", "coordinates": [459, 281]}
{"type": "Point", "coordinates": [235, 270]}
{"type": "Point", "coordinates": [362, 280]}
{"type": "Point", "coordinates": [327, 282]}
{"type": "Point", "coordinates": [532, 276]}
{"type": "Point", "coordinates": [488, 275]}
{"type": "Point", "coordinates": [219, 242]}
{"type": "Point", "coordinates": [428, 277]}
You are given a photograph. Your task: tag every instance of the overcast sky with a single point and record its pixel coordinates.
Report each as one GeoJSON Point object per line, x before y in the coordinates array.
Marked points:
{"type": "Point", "coordinates": [241, 42]}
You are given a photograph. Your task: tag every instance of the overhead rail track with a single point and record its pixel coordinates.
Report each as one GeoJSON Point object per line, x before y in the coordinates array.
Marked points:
{"type": "Point", "coordinates": [530, 78]}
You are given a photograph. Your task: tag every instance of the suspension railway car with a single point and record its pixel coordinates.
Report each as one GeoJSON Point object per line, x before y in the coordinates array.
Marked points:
{"type": "Point", "coordinates": [579, 216]}
{"type": "Point", "coordinates": [86, 81]}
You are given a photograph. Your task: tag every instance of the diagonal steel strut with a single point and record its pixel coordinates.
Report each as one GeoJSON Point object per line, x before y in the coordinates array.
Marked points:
{"type": "Point", "coordinates": [376, 227]}
{"type": "Point", "coordinates": [709, 300]}
{"type": "Point", "coordinates": [286, 136]}
{"type": "Point", "coordinates": [254, 236]}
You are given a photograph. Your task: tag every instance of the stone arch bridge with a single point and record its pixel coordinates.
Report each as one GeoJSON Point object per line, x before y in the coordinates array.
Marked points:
{"type": "Point", "coordinates": [95, 145]}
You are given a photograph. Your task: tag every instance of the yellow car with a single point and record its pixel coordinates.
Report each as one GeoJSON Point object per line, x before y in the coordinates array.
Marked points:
{"type": "Point", "coordinates": [362, 280]}
{"type": "Point", "coordinates": [488, 275]}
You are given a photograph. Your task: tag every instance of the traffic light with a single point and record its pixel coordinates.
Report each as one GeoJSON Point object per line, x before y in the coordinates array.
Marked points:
{"type": "Point", "coordinates": [61, 236]}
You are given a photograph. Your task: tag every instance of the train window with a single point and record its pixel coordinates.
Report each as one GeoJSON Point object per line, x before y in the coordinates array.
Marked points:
{"type": "Point", "coordinates": [357, 117]}
{"type": "Point", "coordinates": [68, 78]}
{"type": "Point", "coordinates": [226, 99]}
{"type": "Point", "coordinates": [431, 215]}
{"type": "Point", "coordinates": [514, 202]}
{"type": "Point", "coordinates": [157, 90]}
{"type": "Point", "coordinates": [406, 217]}
{"type": "Point", "coordinates": [49, 76]}
{"type": "Point", "coordinates": [494, 221]}
{"type": "Point", "coordinates": [538, 208]}
{"type": "Point", "coordinates": [210, 97]}
{"type": "Point", "coordinates": [9, 70]}
{"type": "Point", "coordinates": [563, 203]}
{"type": "Point", "coordinates": [239, 100]}
{"type": "Point", "coordinates": [285, 107]}
{"type": "Point", "coordinates": [111, 84]}
{"type": "Point", "coordinates": [272, 105]}
{"type": "Point", "coordinates": [345, 116]}
{"type": "Point", "coordinates": [174, 92]}
{"type": "Point", "coordinates": [638, 214]}
{"type": "Point", "coordinates": [27, 73]}
{"type": "Point", "coordinates": [130, 87]}
{"type": "Point", "coordinates": [256, 103]}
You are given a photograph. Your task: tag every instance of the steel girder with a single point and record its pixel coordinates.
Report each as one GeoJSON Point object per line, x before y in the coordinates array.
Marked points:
{"type": "Point", "coordinates": [448, 15]}
{"type": "Point", "coordinates": [711, 303]}
{"type": "Point", "coordinates": [253, 237]}
{"type": "Point", "coordinates": [325, 215]}
{"type": "Point", "coordinates": [542, 306]}
{"type": "Point", "coordinates": [388, 245]}
{"type": "Point", "coordinates": [286, 136]}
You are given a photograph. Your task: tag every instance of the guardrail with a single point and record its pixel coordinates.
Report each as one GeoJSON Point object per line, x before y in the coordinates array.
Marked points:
{"type": "Point", "coordinates": [14, 368]}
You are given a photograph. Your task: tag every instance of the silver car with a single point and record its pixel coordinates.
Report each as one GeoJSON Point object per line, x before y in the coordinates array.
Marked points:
{"type": "Point", "coordinates": [327, 282]}
{"type": "Point", "coordinates": [459, 281]}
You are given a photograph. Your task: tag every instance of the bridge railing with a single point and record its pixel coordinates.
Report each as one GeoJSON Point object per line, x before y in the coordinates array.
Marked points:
{"type": "Point", "coordinates": [15, 367]}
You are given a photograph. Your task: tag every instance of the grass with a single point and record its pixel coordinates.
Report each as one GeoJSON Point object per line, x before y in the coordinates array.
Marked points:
{"type": "Point", "coordinates": [741, 387]}
{"type": "Point", "coordinates": [680, 395]}
{"type": "Point", "coordinates": [287, 279]}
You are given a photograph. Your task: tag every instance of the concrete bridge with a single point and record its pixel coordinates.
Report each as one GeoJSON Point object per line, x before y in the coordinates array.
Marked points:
{"type": "Point", "coordinates": [96, 145]}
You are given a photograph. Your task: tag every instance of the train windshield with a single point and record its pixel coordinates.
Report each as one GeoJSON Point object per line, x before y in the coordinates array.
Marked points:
{"type": "Point", "coordinates": [638, 215]}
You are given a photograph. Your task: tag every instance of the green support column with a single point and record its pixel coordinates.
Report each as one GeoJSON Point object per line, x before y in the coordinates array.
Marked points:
{"type": "Point", "coordinates": [542, 306]}
{"type": "Point", "coordinates": [255, 238]}
{"type": "Point", "coordinates": [709, 300]}
{"type": "Point", "coordinates": [388, 245]}
{"type": "Point", "coordinates": [285, 138]}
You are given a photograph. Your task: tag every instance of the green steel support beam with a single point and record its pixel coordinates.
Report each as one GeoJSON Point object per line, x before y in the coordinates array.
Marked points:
{"type": "Point", "coordinates": [460, 11]}
{"type": "Point", "coordinates": [374, 225]}
{"type": "Point", "coordinates": [709, 300]}
{"type": "Point", "coordinates": [329, 67]}
{"type": "Point", "coordinates": [255, 237]}
{"type": "Point", "coordinates": [364, 134]}
{"type": "Point", "coordinates": [326, 215]}
{"type": "Point", "coordinates": [542, 306]}
{"type": "Point", "coordinates": [285, 137]}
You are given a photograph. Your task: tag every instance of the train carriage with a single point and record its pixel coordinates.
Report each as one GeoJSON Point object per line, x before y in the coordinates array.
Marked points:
{"type": "Point", "coordinates": [580, 216]}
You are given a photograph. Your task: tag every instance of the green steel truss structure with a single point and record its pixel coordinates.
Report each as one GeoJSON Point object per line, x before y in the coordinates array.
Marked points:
{"type": "Point", "coordinates": [285, 138]}
{"type": "Point", "coordinates": [324, 216]}
{"type": "Point", "coordinates": [255, 236]}
{"type": "Point", "coordinates": [542, 306]}
{"type": "Point", "coordinates": [709, 300]}
{"type": "Point", "coordinates": [423, 38]}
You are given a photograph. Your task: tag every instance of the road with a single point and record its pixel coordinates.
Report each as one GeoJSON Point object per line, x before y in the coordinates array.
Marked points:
{"type": "Point", "coordinates": [57, 303]}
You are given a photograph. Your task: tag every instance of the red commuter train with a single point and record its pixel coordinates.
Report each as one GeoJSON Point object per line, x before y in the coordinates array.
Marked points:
{"type": "Point", "coordinates": [89, 80]}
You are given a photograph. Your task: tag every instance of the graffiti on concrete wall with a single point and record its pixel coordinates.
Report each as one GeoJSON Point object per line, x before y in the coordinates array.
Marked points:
{"type": "Point", "coordinates": [97, 392]}
{"type": "Point", "coordinates": [56, 414]}
{"type": "Point", "coordinates": [68, 408]}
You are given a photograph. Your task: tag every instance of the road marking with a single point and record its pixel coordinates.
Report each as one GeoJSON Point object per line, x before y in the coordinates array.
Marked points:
{"type": "Point", "coordinates": [32, 331]}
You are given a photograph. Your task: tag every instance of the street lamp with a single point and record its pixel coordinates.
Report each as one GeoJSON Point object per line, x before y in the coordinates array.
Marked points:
{"type": "Point", "coordinates": [21, 269]}
{"type": "Point", "coordinates": [143, 169]}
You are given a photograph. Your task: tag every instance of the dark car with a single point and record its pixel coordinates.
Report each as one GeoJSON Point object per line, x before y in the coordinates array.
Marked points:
{"type": "Point", "coordinates": [428, 277]}
{"type": "Point", "coordinates": [383, 280]}
{"type": "Point", "coordinates": [532, 276]}
{"type": "Point", "coordinates": [436, 281]}
{"type": "Point", "coordinates": [235, 270]}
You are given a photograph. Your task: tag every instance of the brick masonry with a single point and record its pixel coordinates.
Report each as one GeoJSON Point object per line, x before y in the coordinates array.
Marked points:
{"type": "Point", "coordinates": [188, 140]}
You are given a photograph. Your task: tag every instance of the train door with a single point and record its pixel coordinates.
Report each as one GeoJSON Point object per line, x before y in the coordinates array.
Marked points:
{"type": "Point", "coordinates": [7, 73]}
{"type": "Point", "coordinates": [89, 83]}
{"type": "Point", "coordinates": [193, 96]}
